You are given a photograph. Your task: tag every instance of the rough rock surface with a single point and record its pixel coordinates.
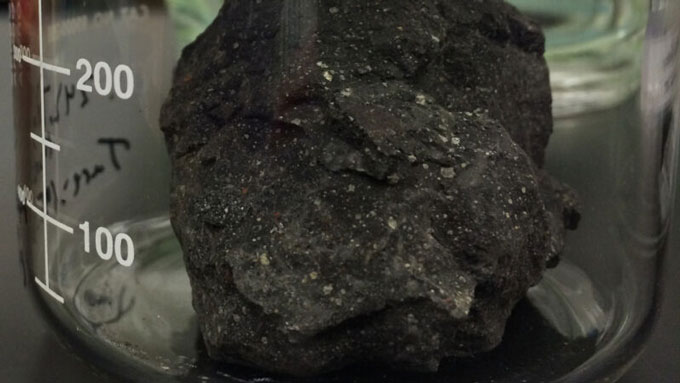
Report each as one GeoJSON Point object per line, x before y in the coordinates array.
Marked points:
{"type": "Point", "coordinates": [361, 180]}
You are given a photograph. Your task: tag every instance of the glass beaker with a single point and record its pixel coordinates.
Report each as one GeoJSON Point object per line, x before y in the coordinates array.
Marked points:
{"type": "Point", "coordinates": [95, 175]}
{"type": "Point", "coordinates": [592, 48]}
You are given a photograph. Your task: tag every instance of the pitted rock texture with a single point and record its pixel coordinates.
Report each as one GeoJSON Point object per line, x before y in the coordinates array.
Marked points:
{"type": "Point", "coordinates": [361, 180]}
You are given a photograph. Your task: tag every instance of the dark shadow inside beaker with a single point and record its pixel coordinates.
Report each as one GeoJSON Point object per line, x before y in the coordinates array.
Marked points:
{"type": "Point", "coordinates": [532, 351]}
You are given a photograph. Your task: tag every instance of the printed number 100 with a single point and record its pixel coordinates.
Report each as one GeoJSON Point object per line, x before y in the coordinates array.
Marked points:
{"type": "Point", "coordinates": [107, 244]}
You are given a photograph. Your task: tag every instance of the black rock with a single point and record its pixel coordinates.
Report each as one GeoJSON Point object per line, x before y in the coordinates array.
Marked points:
{"type": "Point", "coordinates": [360, 180]}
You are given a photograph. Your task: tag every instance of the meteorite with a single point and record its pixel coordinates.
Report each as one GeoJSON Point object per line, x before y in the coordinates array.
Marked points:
{"type": "Point", "coordinates": [362, 180]}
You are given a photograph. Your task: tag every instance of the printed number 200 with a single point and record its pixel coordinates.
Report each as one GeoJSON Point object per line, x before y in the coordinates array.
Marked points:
{"type": "Point", "coordinates": [105, 79]}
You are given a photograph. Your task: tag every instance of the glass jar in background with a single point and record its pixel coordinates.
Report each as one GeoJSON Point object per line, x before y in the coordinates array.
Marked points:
{"type": "Point", "coordinates": [94, 173]}
{"type": "Point", "coordinates": [592, 48]}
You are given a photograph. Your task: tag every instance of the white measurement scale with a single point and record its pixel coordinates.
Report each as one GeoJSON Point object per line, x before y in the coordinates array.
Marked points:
{"type": "Point", "coordinates": [108, 81]}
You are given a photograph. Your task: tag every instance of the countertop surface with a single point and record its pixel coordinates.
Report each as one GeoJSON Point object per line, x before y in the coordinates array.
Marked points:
{"type": "Point", "coordinates": [30, 352]}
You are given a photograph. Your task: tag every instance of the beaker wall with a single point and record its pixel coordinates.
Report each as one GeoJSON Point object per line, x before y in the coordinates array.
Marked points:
{"type": "Point", "coordinates": [95, 174]}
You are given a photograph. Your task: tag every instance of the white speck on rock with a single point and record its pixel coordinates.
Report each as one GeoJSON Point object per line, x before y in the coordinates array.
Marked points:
{"type": "Point", "coordinates": [264, 260]}
{"type": "Point", "coordinates": [448, 172]}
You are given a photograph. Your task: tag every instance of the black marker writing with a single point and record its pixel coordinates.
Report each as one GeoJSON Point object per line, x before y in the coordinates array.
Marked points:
{"type": "Point", "coordinates": [113, 144]}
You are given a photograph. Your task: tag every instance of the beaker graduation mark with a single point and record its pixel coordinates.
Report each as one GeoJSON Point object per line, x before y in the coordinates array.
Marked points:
{"type": "Point", "coordinates": [49, 219]}
{"type": "Point", "coordinates": [117, 80]}
{"type": "Point", "coordinates": [42, 65]}
{"type": "Point", "coordinates": [44, 143]}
